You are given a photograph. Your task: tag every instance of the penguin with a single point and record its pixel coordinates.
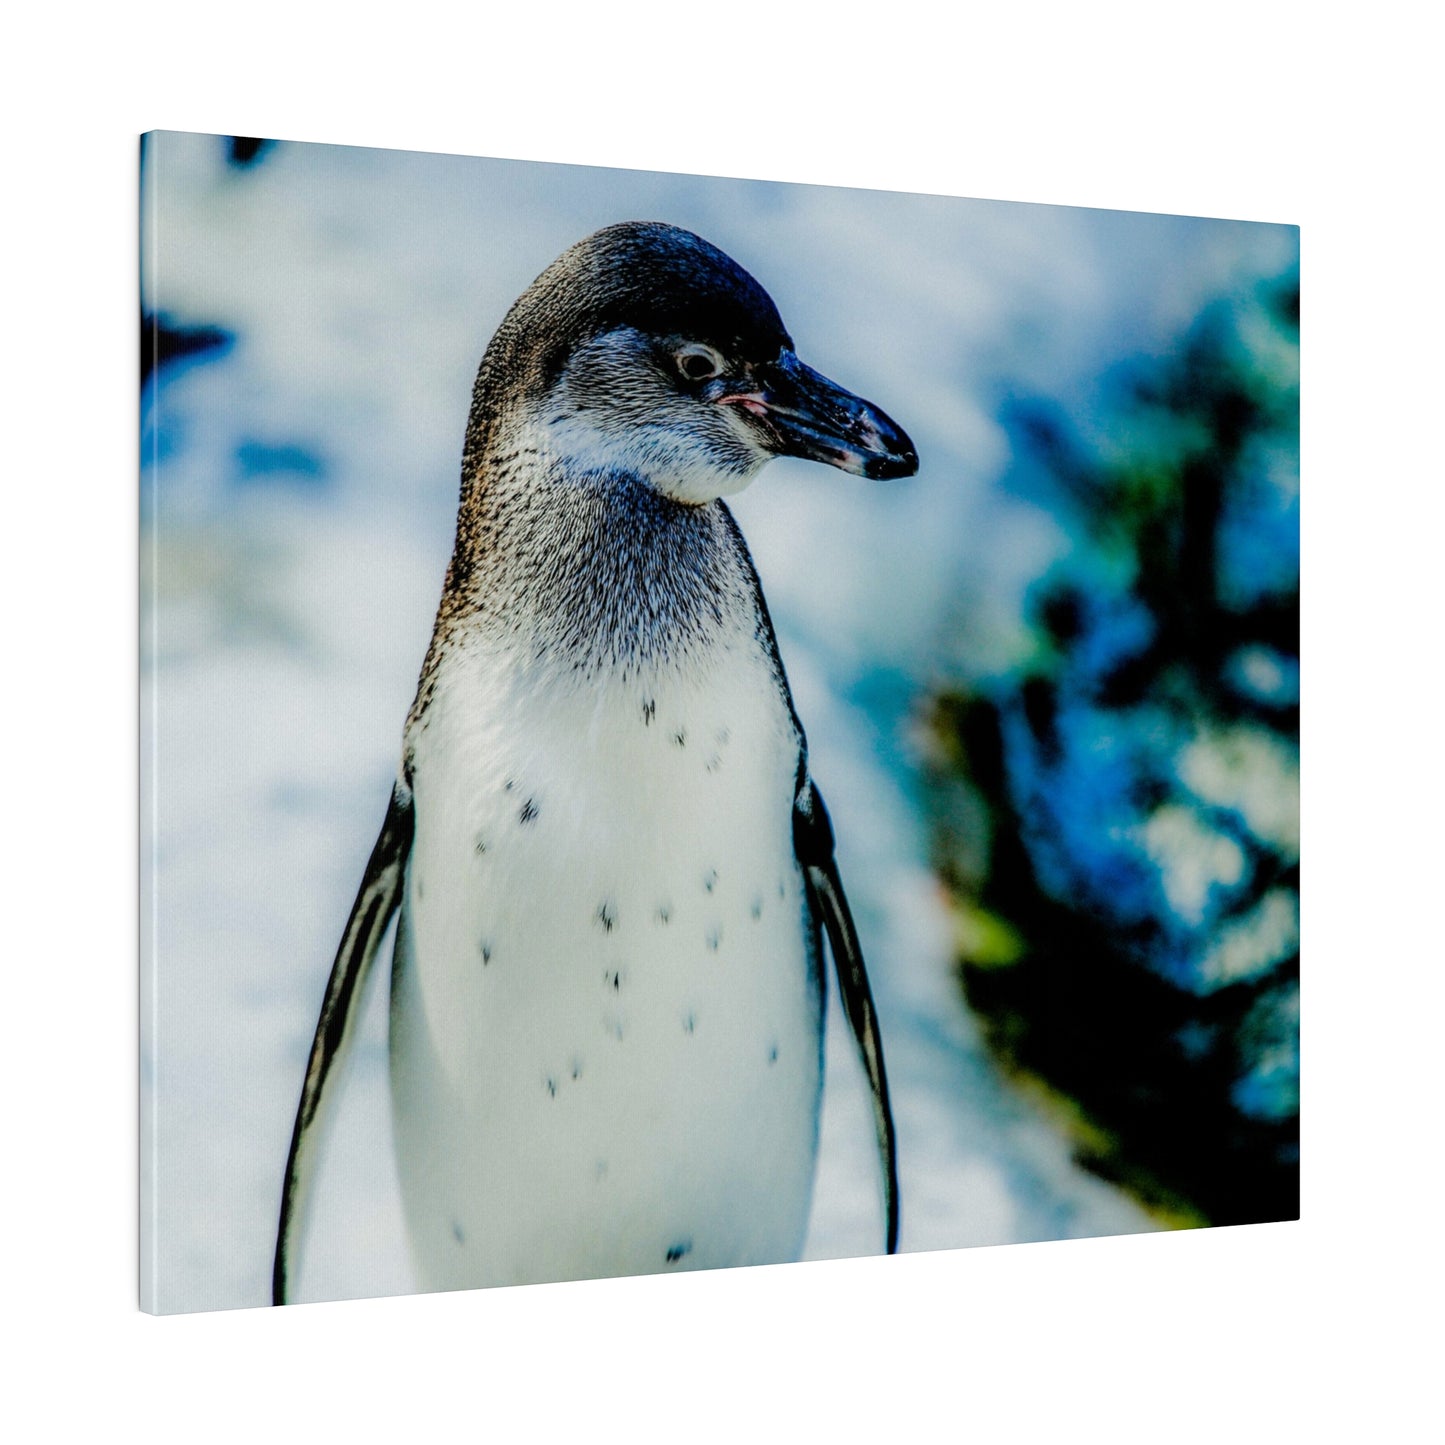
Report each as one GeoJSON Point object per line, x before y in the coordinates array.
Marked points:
{"type": "Point", "coordinates": [612, 869]}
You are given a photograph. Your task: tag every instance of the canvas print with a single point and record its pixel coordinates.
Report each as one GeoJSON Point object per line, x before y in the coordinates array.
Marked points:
{"type": "Point", "coordinates": [691, 723]}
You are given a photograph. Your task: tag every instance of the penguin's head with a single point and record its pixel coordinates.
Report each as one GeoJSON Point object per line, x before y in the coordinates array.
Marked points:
{"type": "Point", "coordinates": [645, 349]}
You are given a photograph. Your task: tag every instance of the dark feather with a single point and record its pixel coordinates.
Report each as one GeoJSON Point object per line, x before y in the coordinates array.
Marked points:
{"type": "Point", "coordinates": [376, 901]}
{"type": "Point", "coordinates": [813, 844]}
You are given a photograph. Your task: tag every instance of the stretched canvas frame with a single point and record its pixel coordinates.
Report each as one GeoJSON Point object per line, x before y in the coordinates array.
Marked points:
{"type": "Point", "coordinates": [1065, 790]}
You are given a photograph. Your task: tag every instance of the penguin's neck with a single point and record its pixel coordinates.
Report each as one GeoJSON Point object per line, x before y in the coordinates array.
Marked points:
{"type": "Point", "coordinates": [594, 570]}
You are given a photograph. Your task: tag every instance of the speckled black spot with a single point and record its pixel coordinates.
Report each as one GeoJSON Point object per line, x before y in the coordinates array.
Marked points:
{"type": "Point", "coordinates": [606, 916]}
{"type": "Point", "coordinates": [714, 937]}
{"type": "Point", "coordinates": [457, 1233]}
{"type": "Point", "coordinates": [709, 879]}
{"type": "Point", "coordinates": [722, 735]}
{"type": "Point", "coordinates": [481, 846]}
{"type": "Point", "coordinates": [679, 738]}
{"type": "Point", "coordinates": [576, 1069]}
{"type": "Point", "coordinates": [714, 763]}
{"type": "Point", "coordinates": [551, 1086]}
{"type": "Point", "coordinates": [663, 914]}
{"type": "Point", "coordinates": [757, 909]}
{"type": "Point", "coordinates": [649, 711]}
{"type": "Point", "coordinates": [613, 979]}
{"type": "Point", "coordinates": [486, 953]}
{"type": "Point", "coordinates": [508, 784]}
{"type": "Point", "coordinates": [782, 889]}
{"type": "Point", "coordinates": [529, 811]}
{"type": "Point", "coordinates": [773, 1054]}
{"type": "Point", "coordinates": [689, 1024]}
{"type": "Point", "coordinates": [677, 1251]}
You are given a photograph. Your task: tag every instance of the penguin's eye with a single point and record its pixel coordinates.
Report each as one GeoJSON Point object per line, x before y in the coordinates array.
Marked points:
{"type": "Point", "coordinates": [699, 363]}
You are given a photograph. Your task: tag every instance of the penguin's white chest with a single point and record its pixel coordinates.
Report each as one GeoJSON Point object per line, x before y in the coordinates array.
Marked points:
{"type": "Point", "coordinates": [606, 1033]}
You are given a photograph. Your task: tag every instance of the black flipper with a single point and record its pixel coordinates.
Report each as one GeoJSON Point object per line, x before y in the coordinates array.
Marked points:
{"type": "Point", "coordinates": [340, 1008]}
{"type": "Point", "coordinates": [813, 844]}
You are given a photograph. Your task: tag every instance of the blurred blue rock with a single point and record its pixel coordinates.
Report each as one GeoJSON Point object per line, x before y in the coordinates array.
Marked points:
{"type": "Point", "coordinates": [285, 463]}
{"type": "Point", "coordinates": [1138, 778]}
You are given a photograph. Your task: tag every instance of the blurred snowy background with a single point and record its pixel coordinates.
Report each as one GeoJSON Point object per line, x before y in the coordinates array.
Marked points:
{"type": "Point", "coordinates": [315, 319]}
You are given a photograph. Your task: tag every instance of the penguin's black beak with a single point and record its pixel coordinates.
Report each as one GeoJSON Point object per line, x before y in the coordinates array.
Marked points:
{"type": "Point", "coordinates": [803, 414]}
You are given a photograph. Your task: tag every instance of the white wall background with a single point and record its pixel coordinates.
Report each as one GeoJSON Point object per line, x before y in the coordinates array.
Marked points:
{"type": "Point", "coordinates": [1233, 110]}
